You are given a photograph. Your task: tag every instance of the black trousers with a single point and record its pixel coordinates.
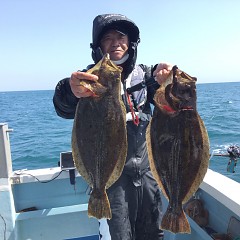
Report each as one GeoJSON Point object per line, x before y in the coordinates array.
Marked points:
{"type": "Point", "coordinates": [136, 211]}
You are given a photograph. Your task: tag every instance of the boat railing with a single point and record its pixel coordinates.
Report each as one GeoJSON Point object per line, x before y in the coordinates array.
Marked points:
{"type": "Point", "coordinates": [5, 152]}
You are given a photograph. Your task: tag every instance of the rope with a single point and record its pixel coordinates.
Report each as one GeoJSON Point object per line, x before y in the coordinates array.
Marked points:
{"type": "Point", "coordinates": [135, 118]}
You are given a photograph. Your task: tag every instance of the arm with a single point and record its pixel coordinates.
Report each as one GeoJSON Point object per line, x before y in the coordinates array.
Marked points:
{"type": "Point", "coordinates": [159, 74]}
{"type": "Point", "coordinates": [64, 100]}
{"type": "Point", "coordinates": [152, 85]}
{"type": "Point", "coordinates": [154, 77]}
{"type": "Point", "coordinates": [68, 91]}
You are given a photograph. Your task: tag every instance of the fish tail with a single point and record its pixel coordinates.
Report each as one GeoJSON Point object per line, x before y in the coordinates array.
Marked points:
{"type": "Point", "coordinates": [175, 220]}
{"type": "Point", "coordinates": [98, 205]}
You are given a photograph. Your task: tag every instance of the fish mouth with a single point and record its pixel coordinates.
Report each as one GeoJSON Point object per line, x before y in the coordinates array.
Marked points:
{"type": "Point", "coordinates": [186, 108]}
{"type": "Point", "coordinates": [169, 109]}
{"type": "Point", "coordinates": [179, 103]}
{"type": "Point", "coordinates": [187, 105]}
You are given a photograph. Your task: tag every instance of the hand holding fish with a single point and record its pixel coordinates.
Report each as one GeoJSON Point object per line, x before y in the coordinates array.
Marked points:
{"type": "Point", "coordinates": [77, 88]}
{"type": "Point", "coordinates": [162, 71]}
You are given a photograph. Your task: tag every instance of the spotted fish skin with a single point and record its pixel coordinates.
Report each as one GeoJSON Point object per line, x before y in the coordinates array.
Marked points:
{"type": "Point", "coordinates": [178, 146]}
{"type": "Point", "coordinates": [99, 142]}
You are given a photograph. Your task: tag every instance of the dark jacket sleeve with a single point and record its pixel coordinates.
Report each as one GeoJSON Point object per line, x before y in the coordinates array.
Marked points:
{"type": "Point", "coordinates": [64, 100]}
{"type": "Point", "coordinates": [151, 84]}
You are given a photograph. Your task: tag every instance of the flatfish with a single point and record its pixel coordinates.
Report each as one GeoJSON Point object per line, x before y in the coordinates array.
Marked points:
{"type": "Point", "coordinates": [178, 146]}
{"type": "Point", "coordinates": [99, 142]}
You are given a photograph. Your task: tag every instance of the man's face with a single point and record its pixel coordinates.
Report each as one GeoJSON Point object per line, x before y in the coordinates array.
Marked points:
{"type": "Point", "coordinates": [114, 43]}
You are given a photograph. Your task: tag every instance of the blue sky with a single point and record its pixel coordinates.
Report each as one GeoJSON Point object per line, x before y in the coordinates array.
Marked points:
{"type": "Point", "coordinates": [46, 40]}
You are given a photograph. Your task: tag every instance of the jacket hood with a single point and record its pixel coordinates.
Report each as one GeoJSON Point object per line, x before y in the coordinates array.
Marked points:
{"type": "Point", "coordinates": [105, 22]}
{"type": "Point", "coordinates": [119, 22]}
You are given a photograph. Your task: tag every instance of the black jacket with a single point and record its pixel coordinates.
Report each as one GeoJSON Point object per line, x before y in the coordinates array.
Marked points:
{"type": "Point", "coordinates": [137, 158]}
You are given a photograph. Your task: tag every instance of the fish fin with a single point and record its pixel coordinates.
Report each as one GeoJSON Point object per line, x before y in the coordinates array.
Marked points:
{"type": "Point", "coordinates": [152, 162]}
{"type": "Point", "coordinates": [121, 158]}
{"type": "Point", "coordinates": [98, 205]}
{"type": "Point", "coordinates": [204, 154]}
{"type": "Point", "coordinates": [175, 220]}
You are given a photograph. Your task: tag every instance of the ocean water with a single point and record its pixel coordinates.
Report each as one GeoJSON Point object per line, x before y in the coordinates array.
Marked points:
{"type": "Point", "coordinates": [39, 135]}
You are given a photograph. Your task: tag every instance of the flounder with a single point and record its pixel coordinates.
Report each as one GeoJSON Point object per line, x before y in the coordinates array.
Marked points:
{"type": "Point", "coordinates": [99, 142]}
{"type": "Point", "coordinates": [178, 146]}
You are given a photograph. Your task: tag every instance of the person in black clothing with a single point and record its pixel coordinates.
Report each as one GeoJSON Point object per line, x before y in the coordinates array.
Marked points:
{"type": "Point", "coordinates": [234, 154]}
{"type": "Point", "coordinates": [135, 197]}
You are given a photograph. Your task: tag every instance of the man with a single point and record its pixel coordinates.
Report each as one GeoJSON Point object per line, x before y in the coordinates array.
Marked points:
{"type": "Point", "coordinates": [135, 197]}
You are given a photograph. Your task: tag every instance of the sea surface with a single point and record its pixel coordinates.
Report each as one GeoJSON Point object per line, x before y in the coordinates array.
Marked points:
{"type": "Point", "coordinates": [39, 135]}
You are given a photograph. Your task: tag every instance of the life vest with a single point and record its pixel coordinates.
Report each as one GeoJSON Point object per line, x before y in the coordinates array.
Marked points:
{"type": "Point", "coordinates": [136, 99]}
